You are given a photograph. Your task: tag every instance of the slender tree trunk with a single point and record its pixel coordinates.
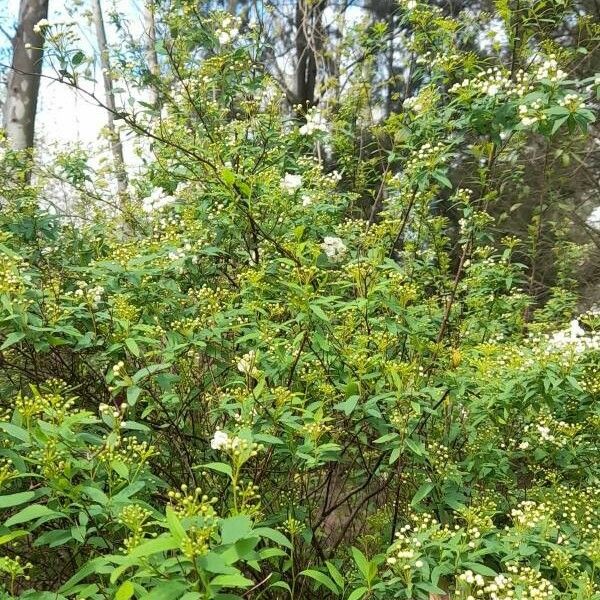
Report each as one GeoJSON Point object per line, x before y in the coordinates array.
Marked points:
{"type": "Point", "coordinates": [24, 77]}
{"type": "Point", "coordinates": [309, 41]}
{"type": "Point", "coordinates": [115, 139]}
{"type": "Point", "coordinates": [151, 55]}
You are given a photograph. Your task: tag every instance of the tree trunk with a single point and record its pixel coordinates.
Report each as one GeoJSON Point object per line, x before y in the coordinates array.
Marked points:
{"type": "Point", "coordinates": [115, 139]}
{"type": "Point", "coordinates": [24, 77]}
{"type": "Point", "coordinates": [151, 55]}
{"type": "Point", "coordinates": [309, 41]}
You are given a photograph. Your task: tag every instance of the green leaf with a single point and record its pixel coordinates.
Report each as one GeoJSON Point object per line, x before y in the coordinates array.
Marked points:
{"type": "Point", "coordinates": [171, 590]}
{"type": "Point", "coordinates": [422, 493]}
{"type": "Point", "coordinates": [319, 312]}
{"type": "Point", "coordinates": [335, 574]}
{"type": "Point", "coordinates": [132, 346]}
{"type": "Point", "coordinates": [133, 393]}
{"type": "Point", "coordinates": [228, 176]}
{"type": "Point", "coordinates": [479, 568]}
{"type": "Point", "coordinates": [321, 578]}
{"type": "Point", "coordinates": [416, 447]}
{"type": "Point", "coordinates": [273, 535]}
{"type": "Point", "coordinates": [88, 568]}
{"type": "Point", "coordinates": [361, 562]}
{"type": "Point", "coordinates": [95, 494]}
{"type": "Point", "coordinates": [156, 546]}
{"type": "Point", "coordinates": [358, 593]}
{"type": "Point", "coordinates": [34, 511]}
{"type": "Point", "coordinates": [13, 535]}
{"type": "Point", "coordinates": [233, 580]}
{"type": "Point", "coordinates": [218, 466]}
{"type": "Point", "coordinates": [394, 455]}
{"type": "Point", "coordinates": [12, 338]}
{"type": "Point", "coordinates": [125, 591]}
{"type": "Point", "coordinates": [149, 370]}
{"type": "Point", "coordinates": [281, 585]}
{"type": "Point", "coordinates": [161, 544]}
{"type": "Point", "coordinates": [16, 499]}
{"type": "Point", "coordinates": [15, 431]}
{"type": "Point", "coordinates": [235, 528]}
{"type": "Point", "coordinates": [441, 178]}
{"type": "Point", "coordinates": [348, 405]}
{"type": "Point", "coordinates": [175, 526]}
{"type": "Point", "coordinates": [120, 468]}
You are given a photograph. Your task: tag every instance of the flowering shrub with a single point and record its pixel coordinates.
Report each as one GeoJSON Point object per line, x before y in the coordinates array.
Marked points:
{"type": "Point", "coordinates": [242, 384]}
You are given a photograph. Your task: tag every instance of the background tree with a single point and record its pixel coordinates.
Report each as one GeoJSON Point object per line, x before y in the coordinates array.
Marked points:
{"type": "Point", "coordinates": [111, 106]}
{"type": "Point", "coordinates": [23, 81]}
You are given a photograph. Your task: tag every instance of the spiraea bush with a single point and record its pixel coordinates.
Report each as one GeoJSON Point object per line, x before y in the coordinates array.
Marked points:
{"type": "Point", "coordinates": [239, 383]}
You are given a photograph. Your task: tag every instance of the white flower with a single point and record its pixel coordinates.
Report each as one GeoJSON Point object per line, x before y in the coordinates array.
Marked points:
{"type": "Point", "coordinates": [335, 176]}
{"type": "Point", "coordinates": [544, 432]}
{"type": "Point", "coordinates": [333, 247]}
{"type": "Point", "coordinates": [314, 122]}
{"type": "Point", "coordinates": [527, 121]}
{"type": "Point", "coordinates": [156, 200]}
{"type": "Point", "coordinates": [176, 254]}
{"type": "Point", "coordinates": [411, 5]}
{"type": "Point", "coordinates": [492, 89]}
{"type": "Point", "coordinates": [576, 329]}
{"type": "Point", "coordinates": [306, 200]}
{"type": "Point", "coordinates": [247, 364]}
{"type": "Point", "coordinates": [290, 182]}
{"type": "Point", "coordinates": [219, 440]}
{"type": "Point", "coordinates": [181, 187]}
{"type": "Point", "coordinates": [228, 30]}
{"type": "Point", "coordinates": [224, 37]}
{"type": "Point", "coordinates": [40, 24]}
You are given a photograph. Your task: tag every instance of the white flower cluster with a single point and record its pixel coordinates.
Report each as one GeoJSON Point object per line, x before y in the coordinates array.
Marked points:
{"type": "Point", "coordinates": [498, 584]}
{"type": "Point", "coordinates": [575, 338]}
{"type": "Point", "coordinates": [177, 254]}
{"type": "Point", "coordinates": [156, 200]}
{"type": "Point", "coordinates": [228, 30]}
{"type": "Point", "coordinates": [490, 83]}
{"type": "Point", "coordinates": [220, 440]}
{"type": "Point", "coordinates": [529, 514]}
{"type": "Point", "coordinates": [247, 364]}
{"type": "Point", "coordinates": [41, 24]}
{"type": "Point", "coordinates": [409, 4]}
{"type": "Point", "coordinates": [572, 102]}
{"type": "Point", "coordinates": [531, 114]}
{"type": "Point", "coordinates": [92, 294]}
{"type": "Point", "coordinates": [334, 248]}
{"type": "Point", "coordinates": [549, 71]}
{"type": "Point", "coordinates": [290, 182]}
{"type": "Point", "coordinates": [315, 122]}
{"type": "Point", "coordinates": [107, 410]}
{"type": "Point", "coordinates": [45, 24]}
{"type": "Point", "coordinates": [234, 444]}
{"type": "Point", "coordinates": [404, 553]}
{"type": "Point", "coordinates": [413, 103]}
{"type": "Point", "coordinates": [550, 431]}
{"type": "Point", "coordinates": [472, 578]}
{"type": "Point", "coordinates": [334, 177]}
{"type": "Point", "coordinates": [425, 153]}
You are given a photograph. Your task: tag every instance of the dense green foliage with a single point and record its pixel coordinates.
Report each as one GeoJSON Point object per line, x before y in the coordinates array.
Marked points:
{"type": "Point", "coordinates": [299, 360]}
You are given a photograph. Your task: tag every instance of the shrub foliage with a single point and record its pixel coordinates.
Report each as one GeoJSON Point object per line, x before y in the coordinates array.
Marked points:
{"type": "Point", "coordinates": [239, 382]}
